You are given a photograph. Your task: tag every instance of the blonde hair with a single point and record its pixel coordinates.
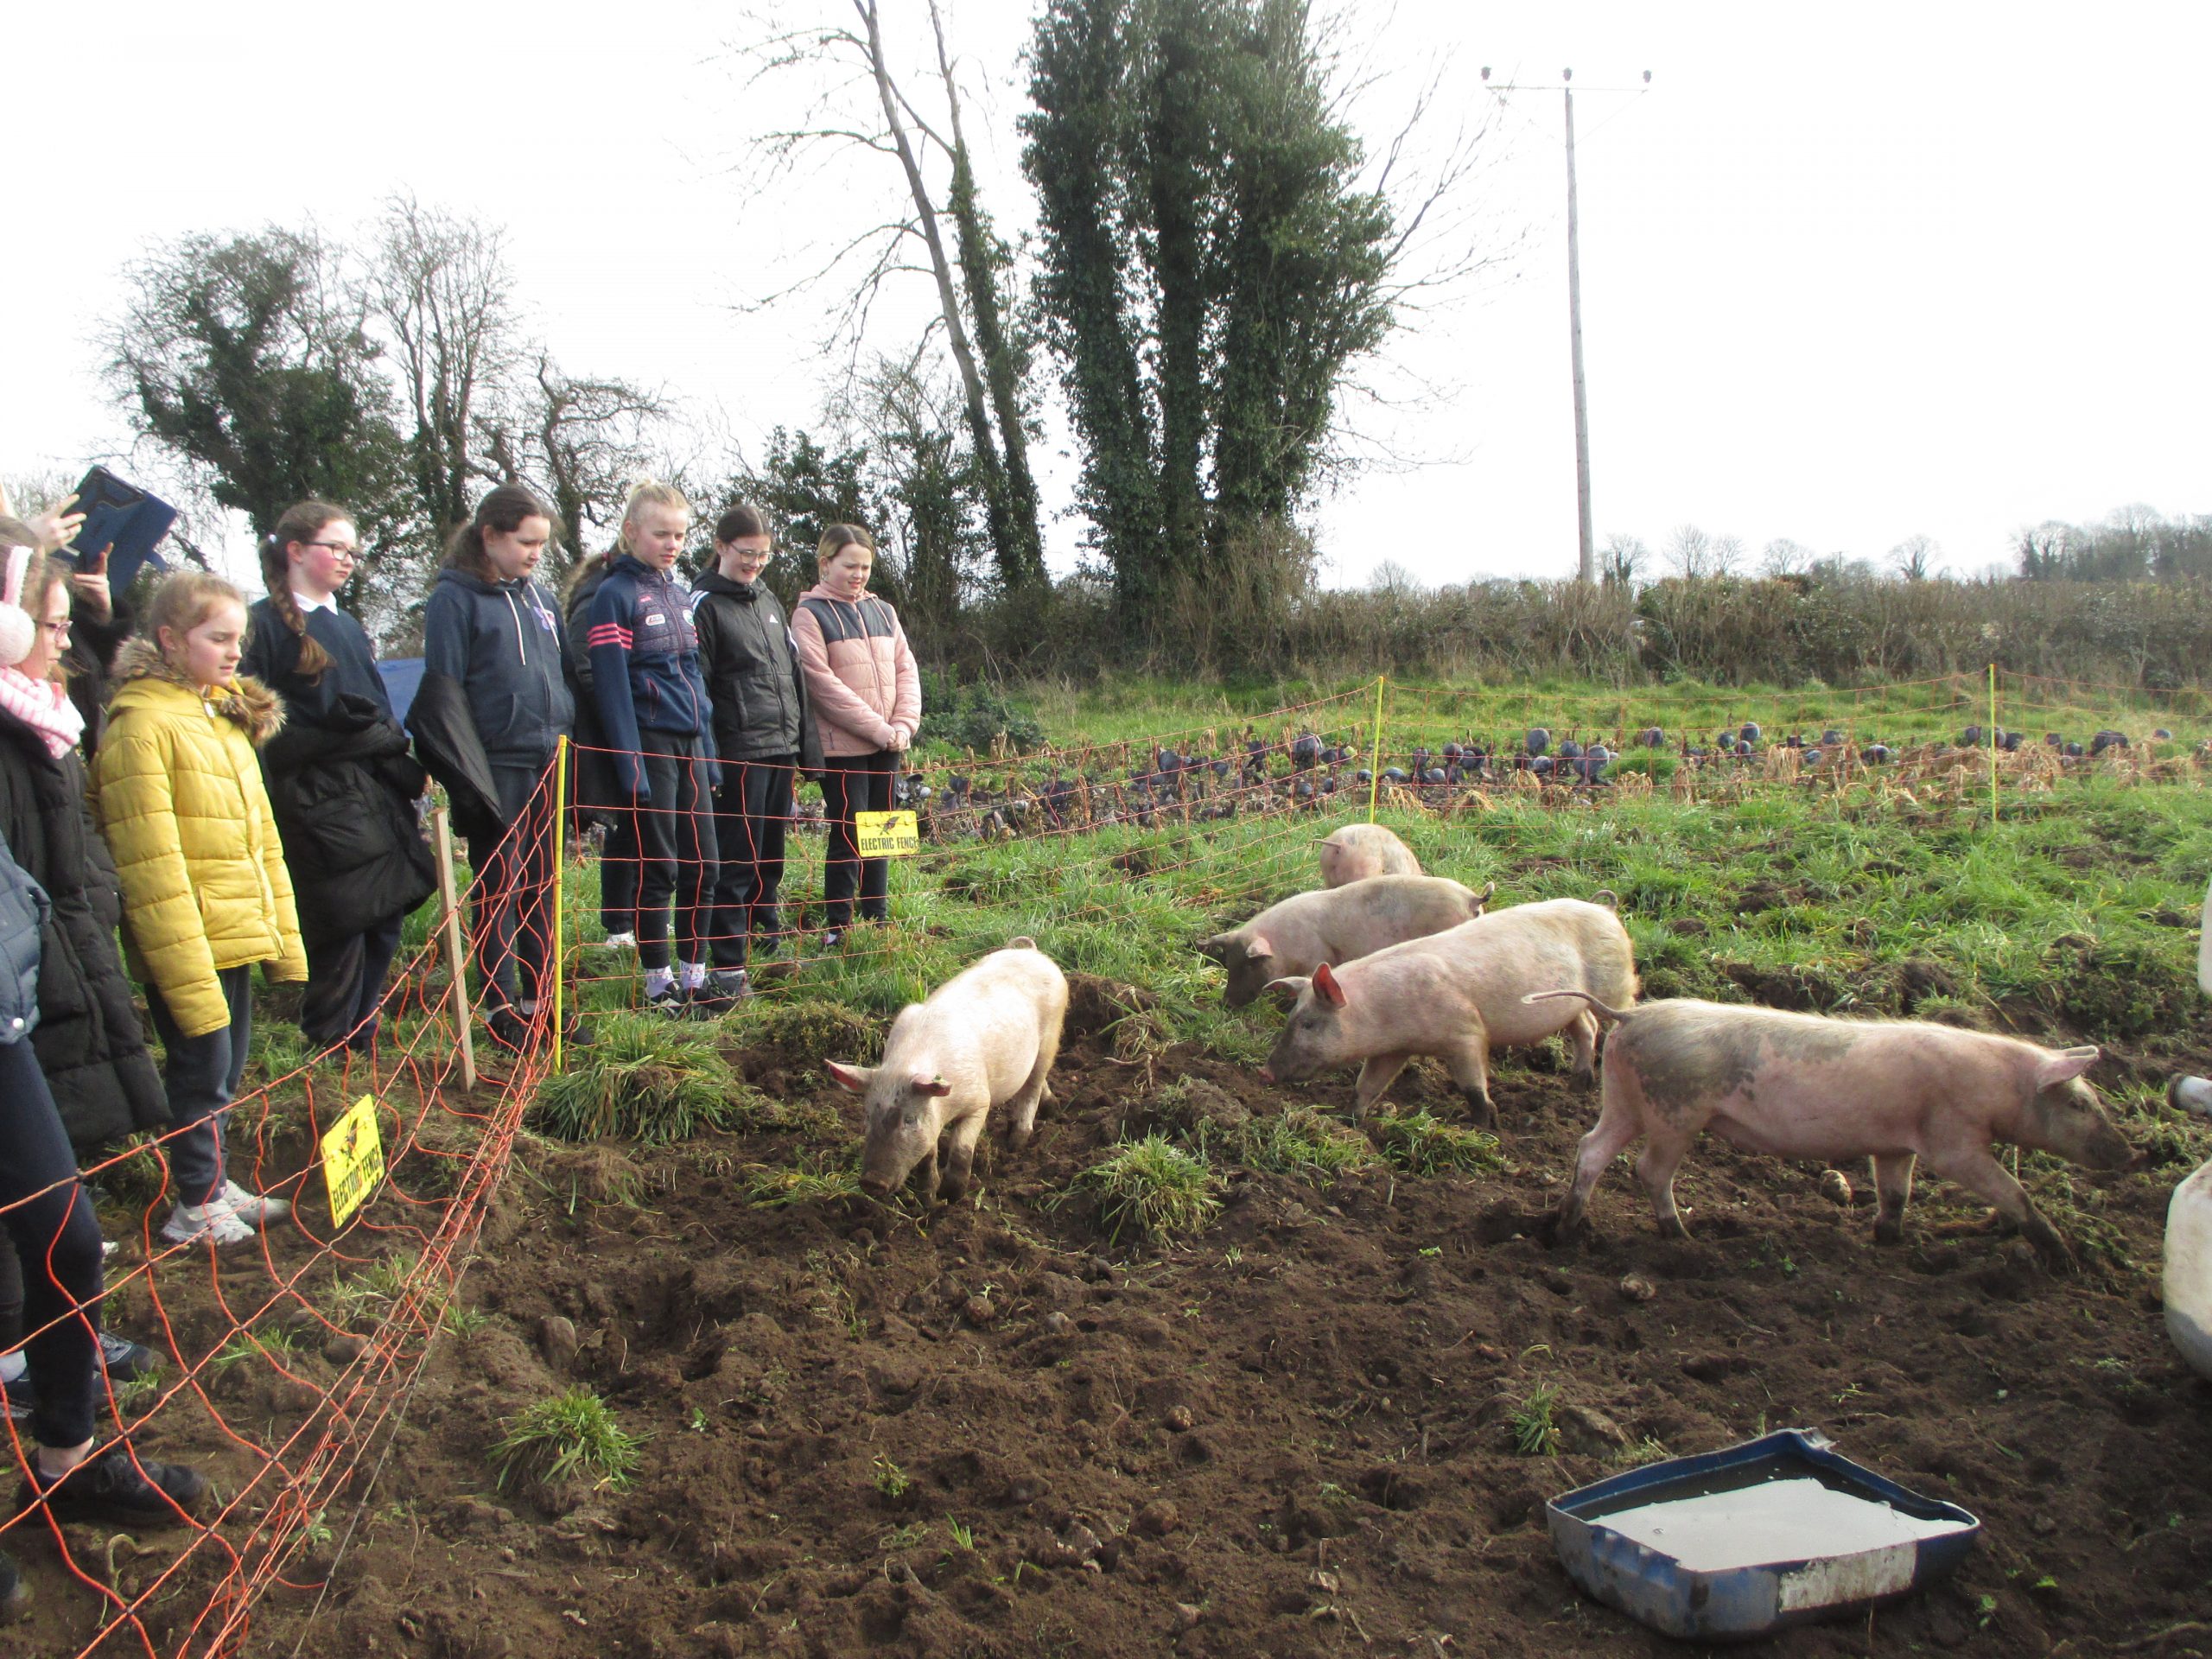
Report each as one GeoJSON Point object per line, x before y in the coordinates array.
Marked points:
{"type": "Point", "coordinates": [651, 493]}
{"type": "Point", "coordinates": [838, 537]}
{"type": "Point", "coordinates": [183, 602]}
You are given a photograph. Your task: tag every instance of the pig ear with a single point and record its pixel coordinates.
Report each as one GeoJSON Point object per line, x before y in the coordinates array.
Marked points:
{"type": "Point", "coordinates": [855, 1077]}
{"type": "Point", "coordinates": [1215, 949]}
{"type": "Point", "coordinates": [1256, 948]}
{"type": "Point", "coordinates": [1482, 899]}
{"type": "Point", "coordinates": [2066, 1064]}
{"type": "Point", "coordinates": [929, 1085]}
{"type": "Point", "coordinates": [1326, 986]}
{"type": "Point", "coordinates": [1286, 991]}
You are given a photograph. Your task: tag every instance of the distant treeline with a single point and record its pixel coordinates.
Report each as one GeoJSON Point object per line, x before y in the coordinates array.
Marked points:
{"type": "Point", "coordinates": [2133, 545]}
{"type": "Point", "coordinates": [1839, 629]}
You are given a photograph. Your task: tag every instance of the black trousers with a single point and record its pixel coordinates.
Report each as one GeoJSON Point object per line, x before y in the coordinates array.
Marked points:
{"type": "Point", "coordinates": [676, 848]}
{"type": "Point", "coordinates": [511, 898]}
{"type": "Point", "coordinates": [57, 1245]}
{"type": "Point", "coordinates": [618, 875]}
{"type": "Point", "coordinates": [345, 986]}
{"type": "Point", "coordinates": [751, 810]}
{"type": "Point", "coordinates": [850, 784]}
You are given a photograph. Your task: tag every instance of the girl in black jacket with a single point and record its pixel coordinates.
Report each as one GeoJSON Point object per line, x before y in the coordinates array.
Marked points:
{"type": "Point", "coordinates": [765, 736]}
{"type": "Point", "coordinates": [339, 776]}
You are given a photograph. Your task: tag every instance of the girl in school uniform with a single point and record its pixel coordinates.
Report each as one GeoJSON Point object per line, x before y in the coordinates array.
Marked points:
{"type": "Point", "coordinates": [338, 774]}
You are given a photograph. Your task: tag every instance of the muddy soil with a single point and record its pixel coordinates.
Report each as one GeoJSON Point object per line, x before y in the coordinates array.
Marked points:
{"type": "Point", "coordinates": [989, 1432]}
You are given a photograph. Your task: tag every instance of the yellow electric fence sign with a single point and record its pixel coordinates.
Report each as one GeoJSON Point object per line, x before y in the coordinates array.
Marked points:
{"type": "Point", "coordinates": [352, 1159]}
{"type": "Point", "coordinates": [887, 834]}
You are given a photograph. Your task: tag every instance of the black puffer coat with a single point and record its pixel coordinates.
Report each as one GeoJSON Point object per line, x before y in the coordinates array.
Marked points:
{"type": "Point", "coordinates": [751, 673]}
{"type": "Point", "coordinates": [344, 793]}
{"type": "Point", "coordinates": [90, 1041]}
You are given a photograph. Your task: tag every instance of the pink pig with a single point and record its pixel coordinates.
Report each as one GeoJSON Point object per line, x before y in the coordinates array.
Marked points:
{"type": "Point", "coordinates": [1798, 1086]}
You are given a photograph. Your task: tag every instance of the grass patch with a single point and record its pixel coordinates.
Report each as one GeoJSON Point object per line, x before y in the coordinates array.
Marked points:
{"type": "Point", "coordinates": [1422, 1144]}
{"type": "Point", "coordinates": [571, 1436]}
{"type": "Point", "coordinates": [1536, 1434]}
{"type": "Point", "coordinates": [1300, 1142]}
{"type": "Point", "coordinates": [646, 1079]}
{"type": "Point", "coordinates": [1152, 1191]}
{"type": "Point", "coordinates": [807, 1179]}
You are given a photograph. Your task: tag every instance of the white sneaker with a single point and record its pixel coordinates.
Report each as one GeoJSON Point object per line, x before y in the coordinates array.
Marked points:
{"type": "Point", "coordinates": [619, 942]}
{"type": "Point", "coordinates": [215, 1223]}
{"type": "Point", "coordinates": [2190, 1095]}
{"type": "Point", "coordinates": [253, 1209]}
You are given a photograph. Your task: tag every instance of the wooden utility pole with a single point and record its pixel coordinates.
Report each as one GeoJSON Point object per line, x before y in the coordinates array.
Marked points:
{"type": "Point", "coordinates": [1588, 568]}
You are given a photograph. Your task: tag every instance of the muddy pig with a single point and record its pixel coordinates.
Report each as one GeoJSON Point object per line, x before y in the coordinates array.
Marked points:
{"type": "Point", "coordinates": [1457, 995]}
{"type": "Point", "coordinates": [1359, 850]}
{"type": "Point", "coordinates": [987, 1037]}
{"type": "Point", "coordinates": [1800, 1086]}
{"type": "Point", "coordinates": [1334, 925]}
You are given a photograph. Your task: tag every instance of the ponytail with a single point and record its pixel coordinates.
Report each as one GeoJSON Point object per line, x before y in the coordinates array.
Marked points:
{"type": "Point", "coordinates": [502, 509]}
{"type": "Point", "coordinates": [302, 522]}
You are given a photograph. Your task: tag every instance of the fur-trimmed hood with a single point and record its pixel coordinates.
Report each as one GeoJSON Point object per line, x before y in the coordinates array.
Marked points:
{"type": "Point", "coordinates": [140, 665]}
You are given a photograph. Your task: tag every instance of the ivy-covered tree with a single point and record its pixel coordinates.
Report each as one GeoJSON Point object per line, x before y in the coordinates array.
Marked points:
{"type": "Point", "coordinates": [246, 357]}
{"type": "Point", "coordinates": [1212, 264]}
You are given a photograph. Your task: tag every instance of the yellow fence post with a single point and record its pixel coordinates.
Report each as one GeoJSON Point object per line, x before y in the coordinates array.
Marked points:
{"type": "Point", "coordinates": [1374, 761]}
{"type": "Point", "coordinates": [560, 858]}
{"type": "Point", "coordinates": [1992, 746]}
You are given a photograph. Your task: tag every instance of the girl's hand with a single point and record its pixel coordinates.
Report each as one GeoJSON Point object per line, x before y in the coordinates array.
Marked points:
{"type": "Point", "coordinates": [56, 526]}
{"type": "Point", "coordinates": [90, 586]}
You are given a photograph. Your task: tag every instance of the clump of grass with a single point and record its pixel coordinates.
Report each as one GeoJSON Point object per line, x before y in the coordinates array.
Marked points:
{"type": "Point", "coordinates": [1536, 1434]}
{"type": "Point", "coordinates": [804, 1027]}
{"type": "Point", "coordinates": [571, 1436]}
{"type": "Point", "coordinates": [1151, 1190]}
{"type": "Point", "coordinates": [644, 1080]}
{"type": "Point", "coordinates": [372, 1292]}
{"type": "Point", "coordinates": [1301, 1142]}
{"type": "Point", "coordinates": [803, 1180]}
{"type": "Point", "coordinates": [889, 1479]}
{"type": "Point", "coordinates": [1424, 1145]}
{"type": "Point", "coordinates": [138, 1176]}
{"type": "Point", "coordinates": [275, 1342]}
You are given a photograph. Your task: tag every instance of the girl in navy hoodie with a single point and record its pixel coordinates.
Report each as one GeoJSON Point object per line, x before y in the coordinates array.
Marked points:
{"type": "Point", "coordinates": [495, 635]}
{"type": "Point", "coordinates": [652, 705]}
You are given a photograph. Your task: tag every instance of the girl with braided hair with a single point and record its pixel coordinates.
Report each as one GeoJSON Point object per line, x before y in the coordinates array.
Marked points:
{"type": "Point", "coordinates": [338, 772]}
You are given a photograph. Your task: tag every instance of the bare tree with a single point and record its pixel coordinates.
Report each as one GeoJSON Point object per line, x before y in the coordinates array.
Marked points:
{"type": "Point", "coordinates": [583, 442]}
{"type": "Point", "coordinates": [1689, 549]}
{"type": "Point", "coordinates": [1623, 557]}
{"type": "Point", "coordinates": [1728, 555]}
{"type": "Point", "coordinates": [441, 286]}
{"type": "Point", "coordinates": [1784, 557]}
{"type": "Point", "coordinates": [897, 128]}
{"type": "Point", "coordinates": [1914, 558]}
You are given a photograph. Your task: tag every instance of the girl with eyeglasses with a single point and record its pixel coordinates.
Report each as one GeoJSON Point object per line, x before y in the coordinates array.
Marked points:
{"type": "Point", "coordinates": [338, 774]}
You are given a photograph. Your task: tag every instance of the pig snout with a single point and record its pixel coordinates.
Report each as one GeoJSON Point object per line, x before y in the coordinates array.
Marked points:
{"type": "Point", "coordinates": [875, 1186]}
{"type": "Point", "coordinates": [2108, 1148]}
{"type": "Point", "coordinates": [1267, 1074]}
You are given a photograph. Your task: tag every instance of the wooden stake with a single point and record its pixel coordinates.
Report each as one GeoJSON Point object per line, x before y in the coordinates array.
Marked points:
{"type": "Point", "coordinates": [456, 962]}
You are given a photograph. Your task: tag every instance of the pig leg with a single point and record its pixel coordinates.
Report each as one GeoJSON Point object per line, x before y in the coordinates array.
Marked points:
{"type": "Point", "coordinates": [1662, 1156]}
{"type": "Point", "coordinates": [1615, 1129]}
{"type": "Point", "coordinates": [1977, 1170]}
{"type": "Point", "coordinates": [1376, 1078]}
{"type": "Point", "coordinates": [923, 1177]}
{"type": "Point", "coordinates": [1894, 1183]}
{"type": "Point", "coordinates": [960, 1161]}
{"type": "Point", "coordinates": [1470, 1068]}
{"type": "Point", "coordinates": [1583, 1035]}
{"type": "Point", "coordinates": [1022, 1110]}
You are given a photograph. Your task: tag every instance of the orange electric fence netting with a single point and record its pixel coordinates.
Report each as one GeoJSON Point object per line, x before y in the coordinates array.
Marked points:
{"type": "Point", "coordinates": [289, 1362]}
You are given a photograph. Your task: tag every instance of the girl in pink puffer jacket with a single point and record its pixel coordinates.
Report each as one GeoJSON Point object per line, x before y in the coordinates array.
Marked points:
{"type": "Point", "coordinates": [867, 694]}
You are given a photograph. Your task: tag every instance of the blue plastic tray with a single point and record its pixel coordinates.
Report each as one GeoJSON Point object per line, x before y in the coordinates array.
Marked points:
{"type": "Point", "coordinates": [1750, 1599]}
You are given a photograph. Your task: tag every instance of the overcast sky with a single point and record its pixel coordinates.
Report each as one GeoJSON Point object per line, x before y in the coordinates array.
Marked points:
{"type": "Point", "coordinates": [1849, 275]}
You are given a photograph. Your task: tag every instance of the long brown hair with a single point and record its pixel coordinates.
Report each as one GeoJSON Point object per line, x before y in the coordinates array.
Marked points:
{"type": "Point", "coordinates": [302, 522]}
{"type": "Point", "coordinates": [183, 602]}
{"type": "Point", "coordinates": [502, 509]}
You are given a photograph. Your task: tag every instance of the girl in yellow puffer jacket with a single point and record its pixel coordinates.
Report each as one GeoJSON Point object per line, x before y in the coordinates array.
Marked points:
{"type": "Point", "coordinates": [206, 894]}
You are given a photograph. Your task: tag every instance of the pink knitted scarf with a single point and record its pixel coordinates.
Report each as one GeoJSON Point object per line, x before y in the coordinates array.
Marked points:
{"type": "Point", "coordinates": [44, 707]}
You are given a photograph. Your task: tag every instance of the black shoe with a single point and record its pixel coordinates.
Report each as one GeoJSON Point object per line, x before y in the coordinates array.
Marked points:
{"type": "Point", "coordinates": [109, 1486]}
{"type": "Point", "coordinates": [576, 1034]}
{"type": "Point", "coordinates": [671, 1001]}
{"type": "Point", "coordinates": [15, 1594]}
{"type": "Point", "coordinates": [508, 1029]}
{"type": "Point", "coordinates": [125, 1361]}
{"type": "Point", "coordinates": [724, 989]}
